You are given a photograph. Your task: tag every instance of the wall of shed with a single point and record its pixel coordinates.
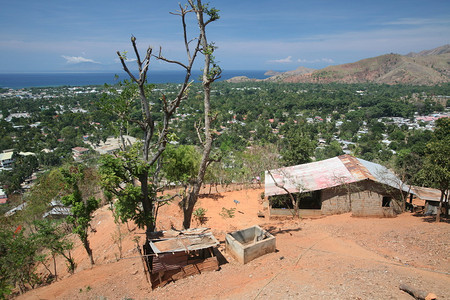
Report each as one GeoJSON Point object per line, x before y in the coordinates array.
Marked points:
{"type": "Point", "coordinates": [362, 199]}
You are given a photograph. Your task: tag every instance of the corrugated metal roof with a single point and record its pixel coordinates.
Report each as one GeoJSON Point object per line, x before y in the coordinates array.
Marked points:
{"type": "Point", "coordinates": [183, 241]}
{"type": "Point", "coordinates": [326, 174]}
{"type": "Point", "coordinates": [427, 193]}
{"type": "Point", "coordinates": [384, 175]}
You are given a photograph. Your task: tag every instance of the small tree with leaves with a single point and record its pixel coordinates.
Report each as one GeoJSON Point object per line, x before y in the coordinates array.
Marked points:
{"type": "Point", "coordinates": [52, 236]}
{"type": "Point", "coordinates": [81, 206]}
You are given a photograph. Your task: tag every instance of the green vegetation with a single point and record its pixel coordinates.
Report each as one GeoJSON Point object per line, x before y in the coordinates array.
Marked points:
{"type": "Point", "coordinates": [79, 182]}
{"type": "Point", "coordinates": [436, 166]}
{"type": "Point", "coordinates": [227, 213]}
{"type": "Point", "coordinates": [255, 126]}
{"type": "Point", "coordinates": [200, 215]}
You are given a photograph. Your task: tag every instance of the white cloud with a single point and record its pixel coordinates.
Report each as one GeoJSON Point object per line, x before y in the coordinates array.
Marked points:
{"type": "Point", "coordinates": [286, 60]}
{"type": "Point", "coordinates": [322, 60]}
{"type": "Point", "coordinates": [78, 59]}
{"type": "Point", "coordinates": [127, 59]}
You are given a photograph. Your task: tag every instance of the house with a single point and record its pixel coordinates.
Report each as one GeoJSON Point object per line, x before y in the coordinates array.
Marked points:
{"type": "Point", "coordinates": [432, 198]}
{"type": "Point", "coordinates": [3, 197]}
{"type": "Point", "coordinates": [16, 209]}
{"type": "Point", "coordinates": [112, 144]}
{"type": "Point", "coordinates": [6, 160]}
{"type": "Point", "coordinates": [77, 152]}
{"type": "Point", "coordinates": [57, 210]}
{"type": "Point", "coordinates": [332, 186]}
{"type": "Point", "coordinates": [173, 255]}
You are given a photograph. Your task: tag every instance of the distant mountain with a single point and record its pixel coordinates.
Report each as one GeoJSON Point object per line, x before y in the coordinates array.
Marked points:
{"type": "Point", "coordinates": [239, 79]}
{"type": "Point", "coordinates": [428, 67]}
{"type": "Point", "coordinates": [274, 75]}
{"type": "Point", "coordinates": [297, 72]}
{"type": "Point", "coordinates": [436, 51]}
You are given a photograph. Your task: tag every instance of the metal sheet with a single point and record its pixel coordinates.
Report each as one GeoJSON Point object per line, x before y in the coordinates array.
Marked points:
{"type": "Point", "coordinates": [427, 193]}
{"type": "Point", "coordinates": [184, 243]}
{"type": "Point", "coordinates": [327, 173]}
{"type": "Point", "coordinates": [383, 175]}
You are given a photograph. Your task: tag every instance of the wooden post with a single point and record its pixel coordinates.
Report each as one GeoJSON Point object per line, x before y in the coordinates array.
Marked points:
{"type": "Point", "coordinates": [146, 271]}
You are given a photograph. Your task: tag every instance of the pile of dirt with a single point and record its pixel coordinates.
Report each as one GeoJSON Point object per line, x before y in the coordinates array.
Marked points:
{"type": "Point", "coordinates": [335, 257]}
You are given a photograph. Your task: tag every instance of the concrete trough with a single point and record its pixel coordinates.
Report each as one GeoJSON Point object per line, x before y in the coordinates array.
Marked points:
{"type": "Point", "coordinates": [247, 244]}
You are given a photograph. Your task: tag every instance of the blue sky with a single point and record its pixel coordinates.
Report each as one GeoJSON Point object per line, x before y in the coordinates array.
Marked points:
{"type": "Point", "coordinates": [66, 35]}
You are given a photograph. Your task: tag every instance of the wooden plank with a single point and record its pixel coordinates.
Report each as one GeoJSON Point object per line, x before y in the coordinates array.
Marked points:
{"type": "Point", "coordinates": [193, 267]}
{"type": "Point", "coordinates": [169, 261]}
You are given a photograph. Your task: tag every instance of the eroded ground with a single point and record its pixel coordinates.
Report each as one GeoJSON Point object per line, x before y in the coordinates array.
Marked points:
{"type": "Point", "coordinates": [335, 257]}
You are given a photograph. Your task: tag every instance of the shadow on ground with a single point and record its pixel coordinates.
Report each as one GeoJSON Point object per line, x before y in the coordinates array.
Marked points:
{"type": "Point", "coordinates": [212, 196]}
{"type": "Point", "coordinates": [432, 219]}
{"type": "Point", "coordinates": [275, 230]}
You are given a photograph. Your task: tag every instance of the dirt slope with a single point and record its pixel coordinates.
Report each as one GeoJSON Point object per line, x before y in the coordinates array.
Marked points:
{"type": "Point", "coordinates": [336, 257]}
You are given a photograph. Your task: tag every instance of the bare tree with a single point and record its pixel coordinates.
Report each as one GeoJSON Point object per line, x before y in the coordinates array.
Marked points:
{"type": "Point", "coordinates": [211, 72]}
{"type": "Point", "coordinates": [300, 190]}
{"type": "Point", "coordinates": [142, 176]}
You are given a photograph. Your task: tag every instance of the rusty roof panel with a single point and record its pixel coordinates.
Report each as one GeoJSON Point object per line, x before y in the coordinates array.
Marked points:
{"type": "Point", "coordinates": [354, 166]}
{"type": "Point", "coordinates": [427, 193]}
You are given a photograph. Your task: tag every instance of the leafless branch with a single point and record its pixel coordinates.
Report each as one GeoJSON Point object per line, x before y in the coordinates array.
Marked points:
{"type": "Point", "coordinates": [160, 57]}
{"type": "Point", "coordinates": [197, 129]}
{"type": "Point", "coordinates": [125, 67]}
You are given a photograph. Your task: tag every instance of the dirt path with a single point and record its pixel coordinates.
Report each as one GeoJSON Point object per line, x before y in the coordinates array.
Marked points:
{"type": "Point", "coordinates": [336, 257]}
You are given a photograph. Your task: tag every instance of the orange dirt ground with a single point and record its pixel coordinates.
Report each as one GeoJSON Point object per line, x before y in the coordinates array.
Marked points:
{"type": "Point", "coordinates": [334, 257]}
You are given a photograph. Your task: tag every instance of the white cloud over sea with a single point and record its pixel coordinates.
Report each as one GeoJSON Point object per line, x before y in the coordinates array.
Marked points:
{"type": "Point", "coordinates": [78, 59]}
{"type": "Point", "coordinates": [286, 60]}
{"type": "Point", "coordinates": [313, 61]}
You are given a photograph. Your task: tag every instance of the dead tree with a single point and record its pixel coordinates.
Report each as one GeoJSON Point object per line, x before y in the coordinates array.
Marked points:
{"type": "Point", "coordinates": [295, 200]}
{"type": "Point", "coordinates": [156, 137]}
{"type": "Point", "coordinates": [211, 72]}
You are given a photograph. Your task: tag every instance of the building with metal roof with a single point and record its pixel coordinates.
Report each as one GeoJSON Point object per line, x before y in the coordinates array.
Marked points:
{"type": "Point", "coordinates": [172, 255]}
{"type": "Point", "coordinates": [339, 184]}
{"type": "Point", "coordinates": [431, 197]}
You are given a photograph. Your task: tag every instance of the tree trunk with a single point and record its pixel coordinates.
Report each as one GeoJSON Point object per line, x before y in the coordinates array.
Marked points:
{"type": "Point", "coordinates": [88, 250]}
{"type": "Point", "coordinates": [191, 199]}
{"type": "Point", "coordinates": [147, 205]}
{"type": "Point", "coordinates": [438, 213]}
{"type": "Point", "coordinates": [54, 266]}
{"type": "Point", "coordinates": [446, 204]}
{"type": "Point", "coordinates": [189, 203]}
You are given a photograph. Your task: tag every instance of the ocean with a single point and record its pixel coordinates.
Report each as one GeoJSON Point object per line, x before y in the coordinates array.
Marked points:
{"type": "Point", "coordinates": [27, 80]}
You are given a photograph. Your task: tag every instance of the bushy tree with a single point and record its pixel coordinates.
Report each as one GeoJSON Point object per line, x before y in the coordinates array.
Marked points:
{"type": "Point", "coordinates": [298, 148]}
{"type": "Point", "coordinates": [181, 163]}
{"type": "Point", "coordinates": [18, 261]}
{"type": "Point", "coordinates": [436, 167]}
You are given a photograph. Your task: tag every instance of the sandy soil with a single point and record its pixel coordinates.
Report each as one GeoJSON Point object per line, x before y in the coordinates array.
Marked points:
{"type": "Point", "coordinates": [335, 257]}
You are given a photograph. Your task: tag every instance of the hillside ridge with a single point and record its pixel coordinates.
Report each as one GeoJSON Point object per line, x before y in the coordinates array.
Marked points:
{"type": "Point", "coordinates": [428, 67]}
